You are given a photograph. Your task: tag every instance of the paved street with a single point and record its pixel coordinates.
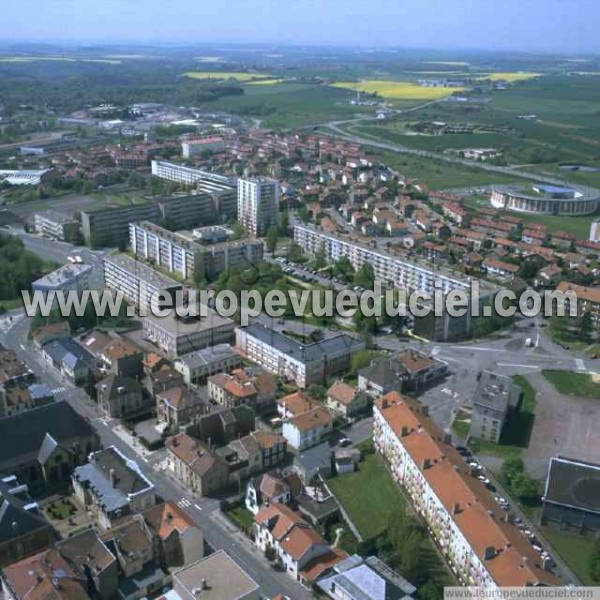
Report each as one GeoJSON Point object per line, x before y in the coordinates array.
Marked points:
{"type": "Point", "coordinates": [218, 532]}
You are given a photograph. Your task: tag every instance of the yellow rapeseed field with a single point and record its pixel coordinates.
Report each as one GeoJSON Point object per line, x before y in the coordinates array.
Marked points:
{"type": "Point", "coordinates": [398, 90]}
{"type": "Point", "coordinates": [515, 76]}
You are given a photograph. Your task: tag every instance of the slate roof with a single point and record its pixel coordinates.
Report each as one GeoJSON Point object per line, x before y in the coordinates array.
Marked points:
{"type": "Point", "coordinates": [22, 435]}
{"type": "Point", "coordinates": [573, 483]}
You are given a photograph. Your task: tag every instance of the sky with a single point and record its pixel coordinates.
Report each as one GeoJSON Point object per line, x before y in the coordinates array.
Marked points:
{"type": "Point", "coordinates": [567, 26]}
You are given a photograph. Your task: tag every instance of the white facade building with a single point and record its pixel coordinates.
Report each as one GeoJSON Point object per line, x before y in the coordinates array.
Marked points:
{"type": "Point", "coordinates": [258, 204]}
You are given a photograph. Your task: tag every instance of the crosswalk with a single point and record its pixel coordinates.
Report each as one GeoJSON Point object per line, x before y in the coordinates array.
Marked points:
{"type": "Point", "coordinates": [59, 390]}
{"type": "Point", "coordinates": [184, 503]}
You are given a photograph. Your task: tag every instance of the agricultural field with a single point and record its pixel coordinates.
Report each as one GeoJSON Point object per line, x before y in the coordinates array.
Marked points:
{"type": "Point", "coordinates": [29, 59]}
{"type": "Point", "coordinates": [397, 90]}
{"type": "Point", "coordinates": [510, 77]}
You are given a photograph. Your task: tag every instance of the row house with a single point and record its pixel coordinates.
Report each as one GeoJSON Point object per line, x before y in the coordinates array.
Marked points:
{"type": "Point", "coordinates": [481, 547]}
{"type": "Point", "coordinates": [455, 212]}
{"type": "Point", "coordinates": [498, 268]}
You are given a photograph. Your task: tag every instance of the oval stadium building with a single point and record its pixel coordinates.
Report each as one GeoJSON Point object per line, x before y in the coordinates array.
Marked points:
{"type": "Point", "coordinates": [549, 199]}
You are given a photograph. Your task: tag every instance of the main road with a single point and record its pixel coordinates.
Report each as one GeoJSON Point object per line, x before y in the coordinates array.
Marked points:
{"type": "Point", "coordinates": [218, 532]}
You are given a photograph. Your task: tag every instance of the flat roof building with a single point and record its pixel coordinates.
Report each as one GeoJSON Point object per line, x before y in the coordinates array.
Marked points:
{"type": "Point", "coordinates": [137, 281]}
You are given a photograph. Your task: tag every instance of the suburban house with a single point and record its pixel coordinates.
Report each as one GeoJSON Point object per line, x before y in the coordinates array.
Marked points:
{"type": "Point", "coordinates": [268, 488]}
{"type": "Point", "coordinates": [409, 370]}
{"type": "Point", "coordinates": [121, 357]}
{"type": "Point", "coordinates": [499, 268]}
{"type": "Point", "coordinates": [112, 486]}
{"type": "Point", "coordinates": [299, 549]}
{"type": "Point", "coordinates": [308, 428]}
{"type": "Point", "coordinates": [120, 396]}
{"type": "Point", "coordinates": [74, 362]}
{"type": "Point", "coordinates": [294, 404]}
{"type": "Point", "coordinates": [346, 400]}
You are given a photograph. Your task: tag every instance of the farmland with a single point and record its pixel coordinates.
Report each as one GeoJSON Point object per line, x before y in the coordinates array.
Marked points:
{"type": "Point", "coordinates": [397, 90]}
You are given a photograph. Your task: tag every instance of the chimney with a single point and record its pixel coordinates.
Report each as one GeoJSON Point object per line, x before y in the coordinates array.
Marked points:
{"type": "Point", "coordinates": [404, 431]}
{"type": "Point", "coordinates": [113, 477]}
{"type": "Point", "coordinates": [447, 438]}
{"type": "Point", "coordinates": [426, 463]}
{"type": "Point", "coordinates": [384, 403]}
{"type": "Point", "coordinates": [489, 553]}
{"type": "Point", "coordinates": [121, 389]}
{"type": "Point", "coordinates": [456, 508]}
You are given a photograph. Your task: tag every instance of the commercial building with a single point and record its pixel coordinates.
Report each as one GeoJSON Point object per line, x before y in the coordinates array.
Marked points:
{"type": "Point", "coordinates": [302, 363]}
{"type": "Point", "coordinates": [258, 204]}
{"type": "Point", "coordinates": [495, 396]}
{"type": "Point", "coordinates": [399, 271]}
{"type": "Point", "coordinates": [181, 335]}
{"type": "Point", "coordinates": [55, 225]}
{"type": "Point", "coordinates": [70, 277]}
{"type": "Point", "coordinates": [138, 282]}
{"type": "Point", "coordinates": [194, 147]}
{"type": "Point", "coordinates": [571, 496]}
{"type": "Point", "coordinates": [197, 366]}
{"type": "Point", "coordinates": [542, 198]}
{"type": "Point", "coordinates": [112, 486]}
{"type": "Point", "coordinates": [185, 256]}
{"type": "Point", "coordinates": [481, 545]}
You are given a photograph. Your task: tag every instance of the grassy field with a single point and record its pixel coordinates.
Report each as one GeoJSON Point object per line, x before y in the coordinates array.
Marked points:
{"type": "Point", "coordinates": [220, 75]}
{"type": "Point", "coordinates": [438, 174]}
{"type": "Point", "coordinates": [397, 90]}
{"type": "Point", "coordinates": [515, 76]}
{"type": "Point", "coordinates": [368, 495]}
{"type": "Point", "coordinates": [574, 549]}
{"type": "Point", "coordinates": [241, 516]}
{"type": "Point", "coordinates": [573, 384]}
{"type": "Point", "coordinates": [288, 105]}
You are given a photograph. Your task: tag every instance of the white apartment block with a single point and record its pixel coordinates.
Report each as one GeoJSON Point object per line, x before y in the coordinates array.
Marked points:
{"type": "Point", "coordinates": [302, 363]}
{"type": "Point", "coordinates": [194, 147]}
{"type": "Point", "coordinates": [473, 533]}
{"type": "Point", "coordinates": [138, 282]}
{"type": "Point", "coordinates": [179, 254]}
{"type": "Point", "coordinates": [395, 270]}
{"type": "Point", "coordinates": [185, 175]}
{"type": "Point", "coordinates": [258, 204]}
{"type": "Point", "coordinates": [71, 277]}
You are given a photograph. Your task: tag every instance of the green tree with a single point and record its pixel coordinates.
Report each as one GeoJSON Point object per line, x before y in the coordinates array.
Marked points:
{"type": "Point", "coordinates": [365, 276]}
{"type": "Point", "coordinates": [316, 391]}
{"type": "Point", "coordinates": [271, 239]}
{"type": "Point", "coordinates": [238, 231]}
{"type": "Point", "coordinates": [294, 254]}
{"type": "Point", "coordinates": [284, 223]}
{"type": "Point", "coordinates": [586, 327]}
{"type": "Point", "coordinates": [320, 258]}
{"type": "Point", "coordinates": [343, 269]}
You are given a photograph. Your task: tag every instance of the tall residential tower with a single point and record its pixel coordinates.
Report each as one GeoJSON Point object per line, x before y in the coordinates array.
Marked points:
{"type": "Point", "coordinates": [258, 204]}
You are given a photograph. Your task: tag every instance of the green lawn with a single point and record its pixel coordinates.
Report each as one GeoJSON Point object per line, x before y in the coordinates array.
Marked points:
{"type": "Point", "coordinates": [368, 495]}
{"type": "Point", "coordinates": [241, 516]}
{"type": "Point", "coordinates": [573, 384]}
{"type": "Point", "coordinates": [574, 549]}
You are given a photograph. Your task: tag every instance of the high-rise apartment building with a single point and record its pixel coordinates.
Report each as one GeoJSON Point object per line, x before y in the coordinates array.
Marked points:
{"type": "Point", "coordinates": [258, 204]}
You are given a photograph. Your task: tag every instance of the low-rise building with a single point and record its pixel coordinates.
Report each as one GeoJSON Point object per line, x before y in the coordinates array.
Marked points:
{"type": "Point", "coordinates": [253, 387]}
{"type": "Point", "coordinates": [300, 550]}
{"type": "Point", "coordinates": [499, 268]}
{"type": "Point", "coordinates": [194, 147]}
{"type": "Point", "coordinates": [23, 529]}
{"type": "Point", "coordinates": [588, 300]}
{"type": "Point", "coordinates": [303, 363]}
{"type": "Point", "coordinates": [202, 471]}
{"type": "Point", "coordinates": [268, 488]}
{"type": "Point", "coordinates": [120, 396]}
{"type": "Point", "coordinates": [179, 406]}
{"type": "Point", "coordinates": [68, 278]}
{"type": "Point", "coordinates": [216, 577]}
{"type": "Point", "coordinates": [182, 335]}
{"type": "Point", "coordinates": [570, 497]}
{"type": "Point", "coordinates": [308, 428]}
{"type": "Point", "coordinates": [346, 400]}
{"type": "Point", "coordinates": [357, 578]}
{"type": "Point", "coordinates": [74, 362]}
{"type": "Point", "coordinates": [495, 396]}
{"type": "Point", "coordinates": [197, 366]}
{"type": "Point", "coordinates": [112, 486]}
